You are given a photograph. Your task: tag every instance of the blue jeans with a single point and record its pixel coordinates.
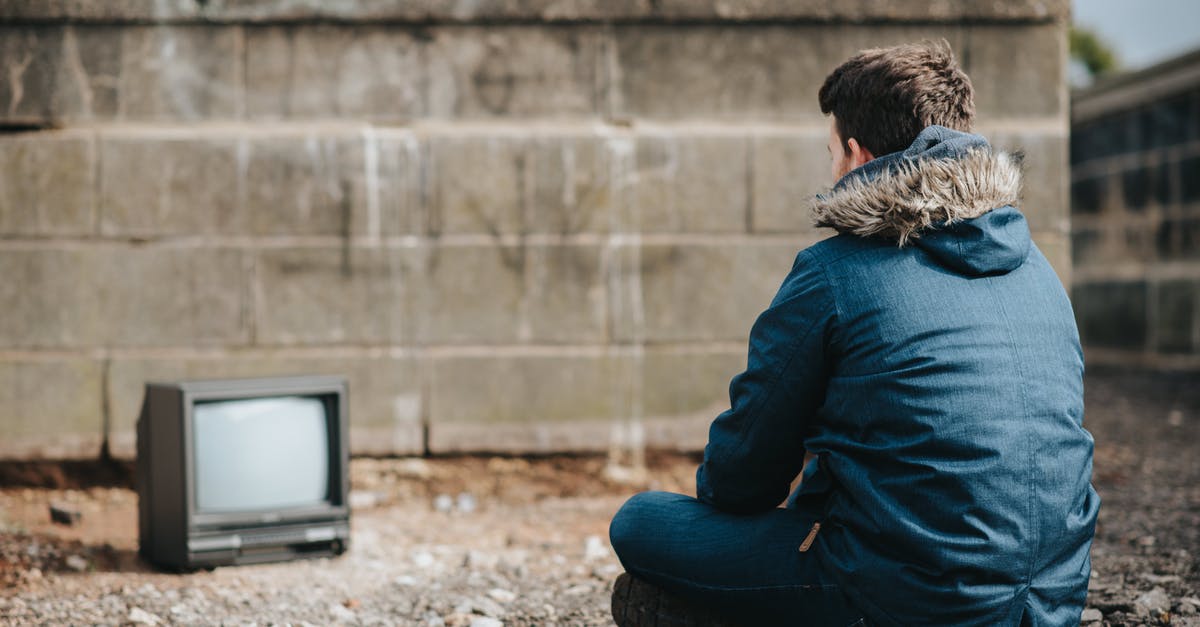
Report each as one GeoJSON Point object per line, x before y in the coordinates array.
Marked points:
{"type": "Point", "coordinates": [747, 567]}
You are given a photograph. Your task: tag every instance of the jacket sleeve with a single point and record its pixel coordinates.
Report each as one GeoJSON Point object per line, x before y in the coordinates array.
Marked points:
{"type": "Point", "coordinates": [755, 448]}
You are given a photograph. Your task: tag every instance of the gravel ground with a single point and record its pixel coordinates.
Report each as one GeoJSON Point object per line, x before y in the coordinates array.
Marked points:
{"type": "Point", "coordinates": [504, 541]}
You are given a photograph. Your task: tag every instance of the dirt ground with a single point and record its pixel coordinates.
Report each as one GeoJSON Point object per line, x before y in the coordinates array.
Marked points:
{"type": "Point", "coordinates": [522, 541]}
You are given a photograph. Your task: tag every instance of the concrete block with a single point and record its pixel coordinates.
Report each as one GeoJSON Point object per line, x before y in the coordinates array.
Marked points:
{"type": "Point", "coordinates": [787, 172]}
{"type": "Point", "coordinates": [1177, 316]}
{"type": "Point", "coordinates": [755, 71]}
{"type": "Point", "coordinates": [53, 408]}
{"type": "Point", "coordinates": [156, 297]}
{"type": "Point", "coordinates": [573, 184]}
{"type": "Point", "coordinates": [298, 186]}
{"type": "Point", "coordinates": [477, 184]}
{"type": "Point", "coordinates": [709, 71]}
{"type": "Point", "coordinates": [683, 390]}
{"type": "Point", "coordinates": [527, 403]}
{"type": "Point", "coordinates": [566, 295]}
{"type": "Point", "coordinates": [172, 185]}
{"type": "Point", "coordinates": [48, 299]}
{"type": "Point", "coordinates": [364, 182]}
{"type": "Point", "coordinates": [386, 406]}
{"type": "Point", "coordinates": [471, 294]}
{"type": "Point", "coordinates": [696, 292]}
{"type": "Point", "coordinates": [1044, 199]}
{"type": "Point", "coordinates": [328, 71]}
{"type": "Point", "coordinates": [46, 184]}
{"type": "Point", "coordinates": [59, 72]}
{"type": "Point", "coordinates": [691, 184]}
{"type": "Point", "coordinates": [123, 297]}
{"type": "Point", "coordinates": [81, 72]}
{"type": "Point", "coordinates": [180, 72]}
{"type": "Point", "coordinates": [511, 294]}
{"type": "Point", "coordinates": [515, 71]}
{"type": "Point", "coordinates": [308, 296]}
{"type": "Point", "coordinates": [1017, 70]}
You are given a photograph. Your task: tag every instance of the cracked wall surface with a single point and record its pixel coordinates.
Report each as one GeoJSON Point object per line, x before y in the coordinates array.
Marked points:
{"type": "Point", "coordinates": [515, 225]}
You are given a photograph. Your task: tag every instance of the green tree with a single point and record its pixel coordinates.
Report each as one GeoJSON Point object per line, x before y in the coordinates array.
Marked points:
{"type": "Point", "coordinates": [1093, 52]}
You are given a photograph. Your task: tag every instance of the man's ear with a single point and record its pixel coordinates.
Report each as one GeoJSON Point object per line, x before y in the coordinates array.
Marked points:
{"type": "Point", "coordinates": [858, 154]}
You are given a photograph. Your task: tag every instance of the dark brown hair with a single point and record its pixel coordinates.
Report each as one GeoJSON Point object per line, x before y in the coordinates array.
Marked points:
{"type": "Point", "coordinates": [884, 97]}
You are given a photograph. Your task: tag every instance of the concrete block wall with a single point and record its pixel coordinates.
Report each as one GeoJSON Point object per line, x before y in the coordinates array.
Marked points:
{"type": "Point", "coordinates": [515, 225]}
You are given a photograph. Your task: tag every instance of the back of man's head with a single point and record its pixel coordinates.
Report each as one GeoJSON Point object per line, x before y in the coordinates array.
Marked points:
{"type": "Point", "coordinates": [884, 97]}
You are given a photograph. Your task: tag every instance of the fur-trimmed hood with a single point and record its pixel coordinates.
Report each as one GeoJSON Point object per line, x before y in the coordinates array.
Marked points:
{"type": "Point", "coordinates": [949, 193]}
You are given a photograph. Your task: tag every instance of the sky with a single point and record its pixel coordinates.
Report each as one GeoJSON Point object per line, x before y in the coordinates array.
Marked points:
{"type": "Point", "coordinates": [1142, 32]}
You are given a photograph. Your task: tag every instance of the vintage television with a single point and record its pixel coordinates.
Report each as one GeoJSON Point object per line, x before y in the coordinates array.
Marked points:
{"type": "Point", "coordinates": [242, 471]}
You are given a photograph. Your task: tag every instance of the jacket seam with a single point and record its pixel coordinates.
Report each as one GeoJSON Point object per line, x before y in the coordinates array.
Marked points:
{"type": "Point", "coordinates": [1031, 483]}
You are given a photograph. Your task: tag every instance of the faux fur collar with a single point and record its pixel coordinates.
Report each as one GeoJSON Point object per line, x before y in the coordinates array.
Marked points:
{"type": "Point", "coordinates": [909, 194]}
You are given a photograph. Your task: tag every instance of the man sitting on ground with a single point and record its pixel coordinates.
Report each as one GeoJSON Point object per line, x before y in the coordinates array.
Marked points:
{"type": "Point", "coordinates": [926, 358]}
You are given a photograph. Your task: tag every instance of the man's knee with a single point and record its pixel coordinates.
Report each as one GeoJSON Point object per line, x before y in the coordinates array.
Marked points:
{"type": "Point", "coordinates": [640, 519]}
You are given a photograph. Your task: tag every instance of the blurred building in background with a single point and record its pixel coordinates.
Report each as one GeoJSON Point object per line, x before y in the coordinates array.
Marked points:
{"type": "Point", "coordinates": [515, 225]}
{"type": "Point", "coordinates": [1135, 203]}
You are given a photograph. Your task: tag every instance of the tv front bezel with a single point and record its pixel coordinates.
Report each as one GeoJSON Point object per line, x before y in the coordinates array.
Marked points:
{"type": "Point", "coordinates": [245, 389]}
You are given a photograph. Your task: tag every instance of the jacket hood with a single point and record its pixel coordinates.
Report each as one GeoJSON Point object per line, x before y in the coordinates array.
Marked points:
{"type": "Point", "coordinates": [948, 193]}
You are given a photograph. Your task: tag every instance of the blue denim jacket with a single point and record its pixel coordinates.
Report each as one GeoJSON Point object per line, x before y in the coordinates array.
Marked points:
{"type": "Point", "coordinates": [928, 357]}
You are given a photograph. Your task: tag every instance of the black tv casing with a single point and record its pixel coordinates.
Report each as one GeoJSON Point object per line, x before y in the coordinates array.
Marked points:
{"type": "Point", "coordinates": [174, 536]}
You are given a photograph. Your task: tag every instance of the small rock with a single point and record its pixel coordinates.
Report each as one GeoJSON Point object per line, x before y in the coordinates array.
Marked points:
{"type": "Point", "coordinates": [477, 560]}
{"type": "Point", "coordinates": [443, 503]}
{"type": "Point", "coordinates": [1147, 541]}
{"type": "Point", "coordinates": [594, 549]}
{"type": "Point", "coordinates": [1175, 418]}
{"type": "Point", "coordinates": [466, 503]}
{"type": "Point", "coordinates": [485, 621]}
{"type": "Point", "coordinates": [1091, 615]}
{"type": "Point", "coordinates": [138, 616]}
{"type": "Point", "coordinates": [413, 467]}
{"type": "Point", "coordinates": [77, 563]}
{"type": "Point", "coordinates": [64, 514]}
{"type": "Point", "coordinates": [342, 613]}
{"type": "Point", "coordinates": [606, 571]}
{"type": "Point", "coordinates": [361, 499]}
{"type": "Point", "coordinates": [502, 595]}
{"type": "Point", "coordinates": [458, 619]}
{"type": "Point", "coordinates": [485, 606]}
{"type": "Point", "coordinates": [1155, 600]}
{"type": "Point", "coordinates": [575, 590]}
{"type": "Point", "coordinates": [423, 559]}
{"type": "Point", "coordinates": [405, 580]}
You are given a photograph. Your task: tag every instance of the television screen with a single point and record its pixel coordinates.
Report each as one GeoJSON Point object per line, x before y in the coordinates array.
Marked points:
{"type": "Point", "coordinates": [260, 454]}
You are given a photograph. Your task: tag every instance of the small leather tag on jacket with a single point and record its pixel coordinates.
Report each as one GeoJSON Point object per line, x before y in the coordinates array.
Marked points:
{"type": "Point", "coordinates": [812, 535]}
